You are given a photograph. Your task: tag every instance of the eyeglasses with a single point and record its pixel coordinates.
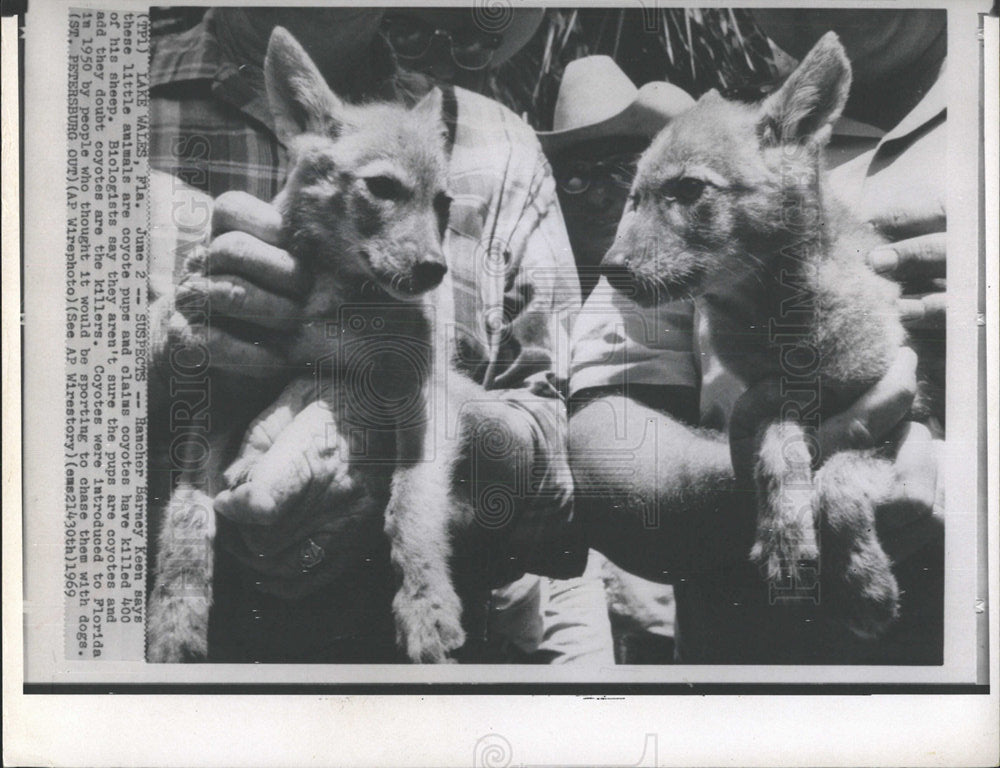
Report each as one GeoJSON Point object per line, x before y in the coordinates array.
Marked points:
{"type": "Point", "coordinates": [412, 39]}
{"type": "Point", "coordinates": [577, 176]}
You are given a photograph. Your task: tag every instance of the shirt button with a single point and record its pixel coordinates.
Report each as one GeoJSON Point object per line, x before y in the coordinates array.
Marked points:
{"type": "Point", "coordinates": [311, 555]}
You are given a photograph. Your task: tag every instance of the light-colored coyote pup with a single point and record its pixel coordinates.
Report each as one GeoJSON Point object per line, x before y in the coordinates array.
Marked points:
{"type": "Point", "coordinates": [365, 207]}
{"type": "Point", "coordinates": [728, 207]}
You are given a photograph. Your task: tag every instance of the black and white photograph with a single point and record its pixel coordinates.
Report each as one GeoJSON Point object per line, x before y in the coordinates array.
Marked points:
{"type": "Point", "coordinates": [737, 461]}
{"type": "Point", "coordinates": [492, 349]}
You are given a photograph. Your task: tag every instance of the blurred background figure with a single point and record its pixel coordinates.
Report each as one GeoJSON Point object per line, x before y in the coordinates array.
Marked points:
{"type": "Point", "coordinates": [458, 45]}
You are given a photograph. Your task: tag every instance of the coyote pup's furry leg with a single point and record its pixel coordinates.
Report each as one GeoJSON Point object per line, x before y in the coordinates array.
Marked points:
{"type": "Point", "coordinates": [786, 530]}
{"type": "Point", "coordinates": [179, 604]}
{"type": "Point", "coordinates": [427, 608]}
{"type": "Point", "coordinates": [177, 622]}
{"type": "Point", "coordinates": [850, 485]}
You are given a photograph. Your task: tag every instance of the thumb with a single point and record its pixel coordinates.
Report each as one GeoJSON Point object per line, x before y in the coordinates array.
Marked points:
{"type": "Point", "coordinates": [876, 412]}
{"type": "Point", "coordinates": [308, 454]}
{"type": "Point", "coordinates": [916, 258]}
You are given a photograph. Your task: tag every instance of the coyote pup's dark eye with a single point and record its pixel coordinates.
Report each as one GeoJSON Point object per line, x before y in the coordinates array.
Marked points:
{"type": "Point", "coordinates": [385, 187]}
{"type": "Point", "coordinates": [442, 204]}
{"type": "Point", "coordinates": [442, 207]}
{"type": "Point", "coordinates": [685, 190]}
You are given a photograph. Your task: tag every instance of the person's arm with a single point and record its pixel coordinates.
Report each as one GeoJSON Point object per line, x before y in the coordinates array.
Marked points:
{"type": "Point", "coordinates": [655, 495]}
{"type": "Point", "coordinates": [519, 423]}
{"type": "Point", "coordinates": [664, 501]}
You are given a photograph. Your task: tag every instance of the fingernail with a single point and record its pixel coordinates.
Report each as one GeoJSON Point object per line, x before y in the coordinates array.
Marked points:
{"type": "Point", "coordinates": [884, 259]}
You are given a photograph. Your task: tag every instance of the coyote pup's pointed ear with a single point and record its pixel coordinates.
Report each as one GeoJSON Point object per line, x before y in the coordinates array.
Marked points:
{"type": "Point", "coordinates": [430, 105]}
{"type": "Point", "coordinates": [811, 99]}
{"type": "Point", "coordinates": [300, 99]}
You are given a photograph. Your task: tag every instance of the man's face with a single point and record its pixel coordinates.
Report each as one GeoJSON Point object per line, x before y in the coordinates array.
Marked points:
{"type": "Point", "coordinates": [593, 180]}
{"type": "Point", "coordinates": [445, 43]}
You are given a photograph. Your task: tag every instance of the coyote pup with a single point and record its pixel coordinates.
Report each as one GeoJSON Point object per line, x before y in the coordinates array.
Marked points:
{"type": "Point", "coordinates": [365, 208]}
{"type": "Point", "coordinates": [727, 207]}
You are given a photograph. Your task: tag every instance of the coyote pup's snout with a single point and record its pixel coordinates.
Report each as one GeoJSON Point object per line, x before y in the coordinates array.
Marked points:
{"type": "Point", "coordinates": [727, 207]}
{"type": "Point", "coordinates": [725, 183]}
{"type": "Point", "coordinates": [366, 196]}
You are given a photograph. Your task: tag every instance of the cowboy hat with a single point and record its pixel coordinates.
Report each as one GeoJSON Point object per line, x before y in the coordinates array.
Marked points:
{"type": "Point", "coordinates": [597, 100]}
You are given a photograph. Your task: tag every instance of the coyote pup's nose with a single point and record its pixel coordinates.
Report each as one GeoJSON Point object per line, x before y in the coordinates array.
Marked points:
{"type": "Point", "coordinates": [615, 267]}
{"type": "Point", "coordinates": [428, 274]}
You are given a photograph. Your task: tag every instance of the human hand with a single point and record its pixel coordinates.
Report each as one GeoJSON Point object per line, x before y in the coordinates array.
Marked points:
{"type": "Point", "coordinates": [878, 419]}
{"type": "Point", "coordinates": [915, 257]}
{"type": "Point", "coordinates": [863, 425]}
{"type": "Point", "coordinates": [241, 298]}
{"type": "Point", "coordinates": [915, 510]}
{"type": "Point", "coordinates": [303, 514]}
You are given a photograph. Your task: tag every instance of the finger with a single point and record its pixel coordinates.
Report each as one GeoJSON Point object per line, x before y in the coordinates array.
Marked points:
{"type": "Point", "coordinates": [885, 405]}
{"type": "Point", "coordinates": [915, 467]}
{"type": "Point", "coordinates": [242, 254]}
{"type": "Point", "coordinates": [307, 452]}
{"type": "Point", "coordinates": [875, 413]}
{"type": "Point", "coordinates": [203, 347]}
{"type": "Point", "coordinates": [196, 260]}
{"type": "Point", "coordinates": [257, 504]}
{"type": "Point", "coordinates": [927, 311]}
{"type": "Point", "coordinates": [903, 214]}
{"type": "Point", "coordinates": [305, 455]}
{"type": "Point", "coordinates": [228, 296]}
{"type": "Point", "coordinates": [344, 525]}
{"type": "Point", "coordinates": [247, 504]}
{"type": "Point", "coordinates": [265, 429]}
{"type": "Point", "coordinates": [916, 258]}
{"type": "Point", "coordinates": [246, 358]}
{"type": "Point", "coordinates": [245, 213]}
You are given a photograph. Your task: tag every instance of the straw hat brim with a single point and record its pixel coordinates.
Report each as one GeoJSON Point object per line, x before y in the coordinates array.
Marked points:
{"type": "Point", "coordinates": [655, 105]}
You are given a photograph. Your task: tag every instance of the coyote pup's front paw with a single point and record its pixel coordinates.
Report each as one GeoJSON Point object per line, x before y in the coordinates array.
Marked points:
{"type": "Point", "coordinates": [244, 496]}
{"type": "Point", "coordinates": [429, 627]}
{"type": "Point", "coordinates": [240, 471]}
{"type": "Point", "coordinates": [779, 552]}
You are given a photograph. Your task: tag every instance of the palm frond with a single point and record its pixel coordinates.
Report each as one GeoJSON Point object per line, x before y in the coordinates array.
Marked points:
{"type": "Point", "coordinates": [696, 49]}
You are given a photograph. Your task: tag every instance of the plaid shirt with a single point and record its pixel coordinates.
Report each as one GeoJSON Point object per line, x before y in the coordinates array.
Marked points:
{"type": "Point", "coordinates": [516, 290]}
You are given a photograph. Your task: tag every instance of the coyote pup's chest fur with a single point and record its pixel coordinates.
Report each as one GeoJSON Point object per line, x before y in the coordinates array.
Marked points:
{"type": "Point", "coordinates": [817, 313]}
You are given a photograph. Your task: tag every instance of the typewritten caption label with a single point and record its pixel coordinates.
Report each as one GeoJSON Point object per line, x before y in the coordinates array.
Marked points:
{"type": "Point", "coordinates": [104, 447]}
